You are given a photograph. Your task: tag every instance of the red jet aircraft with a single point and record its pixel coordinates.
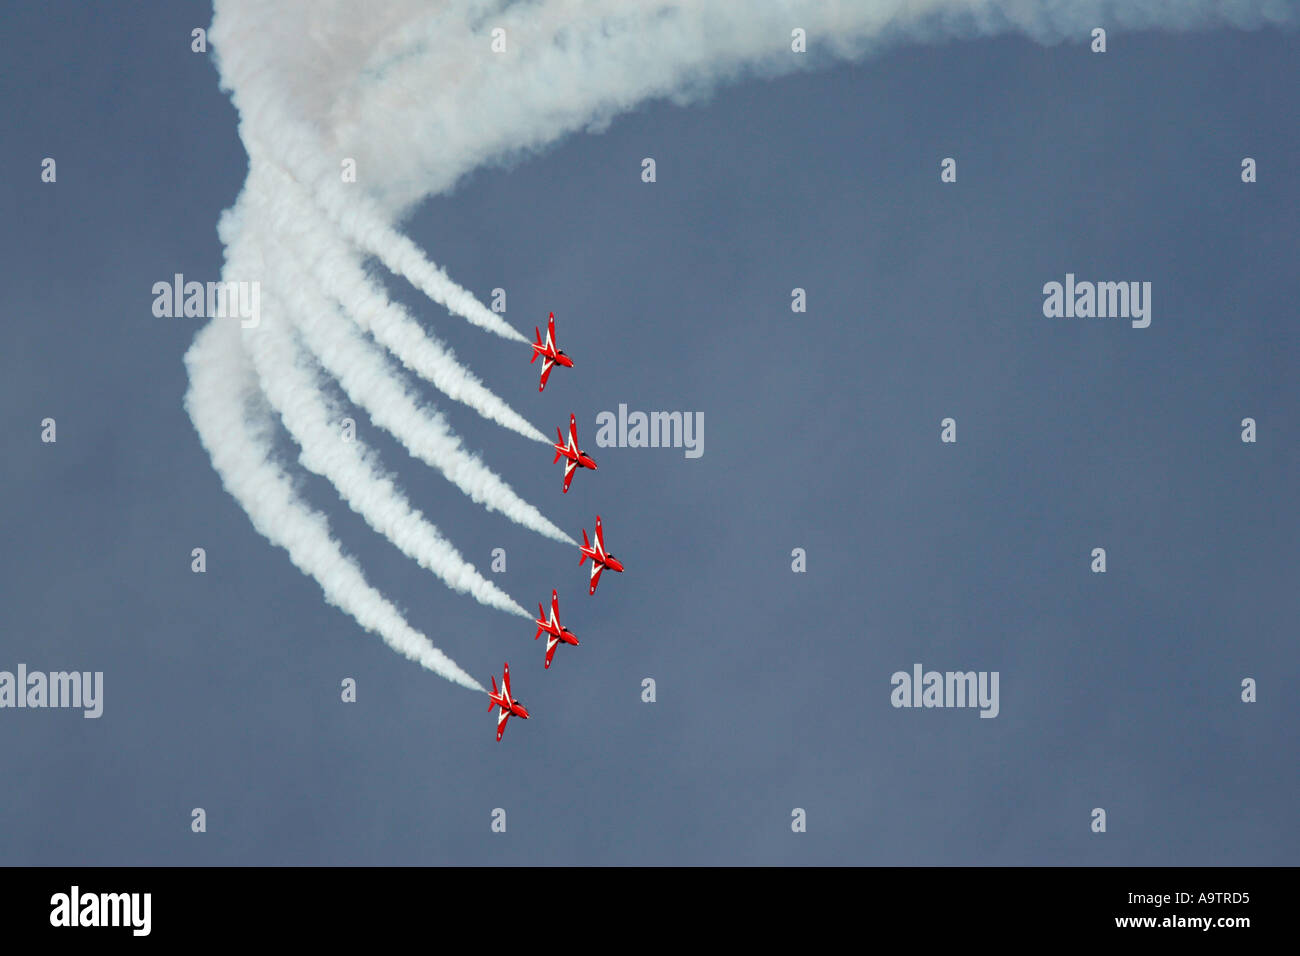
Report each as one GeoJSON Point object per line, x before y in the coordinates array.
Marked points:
{"type": "Point", "coordinates": [551, 356]}
{"type": "Point", "coordinates": [577, 457]}
{"type": "Point", "coordinates": [600, 559]}
{"type": "Point", "coordinates": [553, 627]}
{"type": "Point", "coordinates": [509, 706]}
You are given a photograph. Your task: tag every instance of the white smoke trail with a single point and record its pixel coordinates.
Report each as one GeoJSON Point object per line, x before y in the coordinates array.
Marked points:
{"type": "Point", "coordinates": [294, 393]}
{"type": "Point", "coordinates": [334, 266]}
{"type": "Point", "coordinates": [371, 384]}
{"type": "Point", "coordinates": [241, 34]}
{"type": "Point", "coordinates": [418, 98]}
{"type": "Point", "coordinates": [221, 384]}
{"type": "Point", "coordinates": [359, 219]}
{"type": "Point", "coordinates": [414, 96]}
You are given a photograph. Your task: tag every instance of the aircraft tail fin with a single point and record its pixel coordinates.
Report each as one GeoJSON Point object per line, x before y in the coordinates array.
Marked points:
{"type": "Point", "coordinates": [539, 342]}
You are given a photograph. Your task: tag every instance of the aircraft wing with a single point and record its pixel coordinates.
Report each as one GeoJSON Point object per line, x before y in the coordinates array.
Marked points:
{"type": "Point", "coordinates": [555, 607]}
{"type": "Point", "coordinates": [596, 568]}
{"type": "Point", "coordinates": [505, 680]}
{"type": "Point", "coordinates": [569, 468]}
{"type": "Point", "coordinates": [573, 433]}
{"type": "Point", "coordinates": [551, 642]}
{"type": "Point", "coordinates": [550, 333]}
{"type": "Point", "coordinates": [600, 538]}
{"type": "Point", "coordinates": [502, 717]}
{"type": "Point", "coordinates": [547, 365]}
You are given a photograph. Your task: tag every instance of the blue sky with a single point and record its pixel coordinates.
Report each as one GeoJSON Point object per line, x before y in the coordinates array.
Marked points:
{"type": "Point", "coordinates": [1118, 690]}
